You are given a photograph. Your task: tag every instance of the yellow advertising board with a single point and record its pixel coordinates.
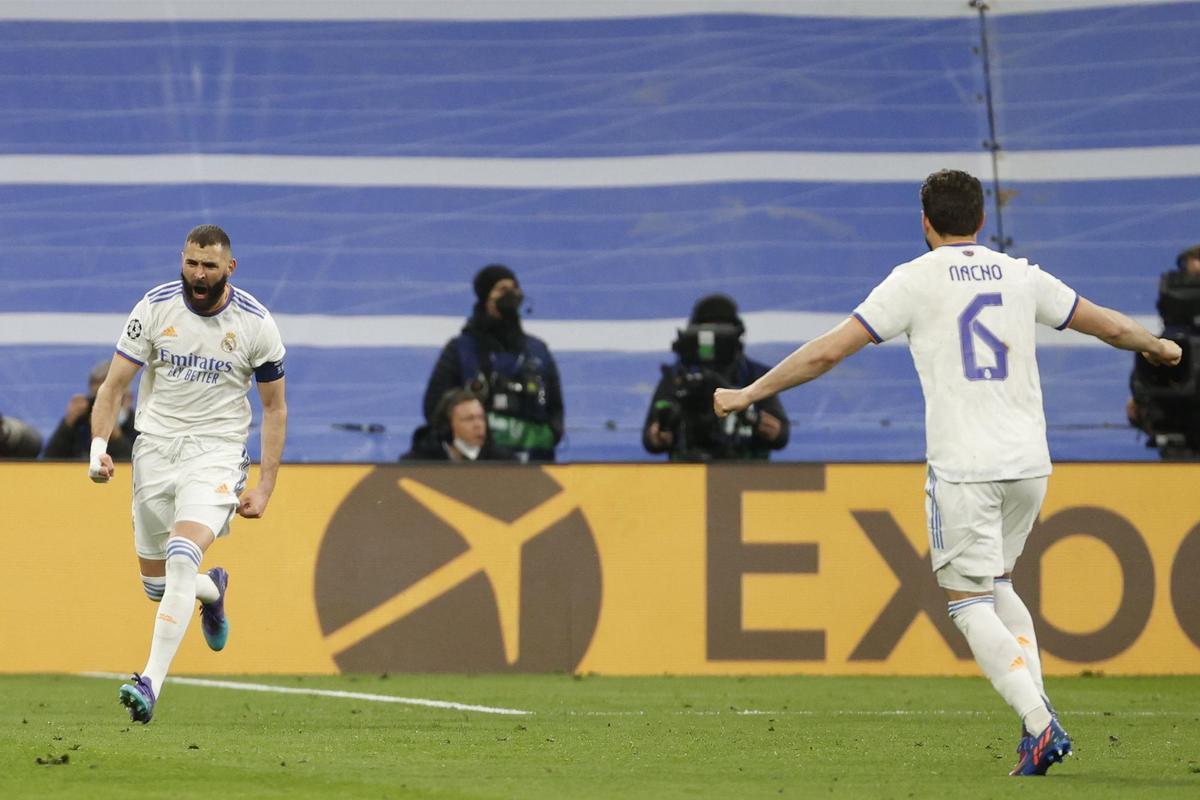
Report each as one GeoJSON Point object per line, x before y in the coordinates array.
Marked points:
{"type": "Point", "coordinates": [605, 568]}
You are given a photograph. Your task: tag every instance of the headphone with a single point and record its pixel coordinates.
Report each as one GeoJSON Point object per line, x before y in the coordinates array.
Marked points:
{"type": "Point", "coordinates": [445, 407]}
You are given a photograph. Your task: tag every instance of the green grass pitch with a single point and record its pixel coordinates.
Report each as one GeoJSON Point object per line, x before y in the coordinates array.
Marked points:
{"type": "Point", "coordinates": [663, 737]}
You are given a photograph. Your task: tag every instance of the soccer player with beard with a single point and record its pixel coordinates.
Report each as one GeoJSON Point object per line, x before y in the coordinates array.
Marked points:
{"type": "Point", "coordinates": [200, 340]}
{"type": "Point", "coordinates": [970, 316]}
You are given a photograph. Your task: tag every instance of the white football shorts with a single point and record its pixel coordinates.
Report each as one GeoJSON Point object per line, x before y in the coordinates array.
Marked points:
{"type": "Point", "coordinates": [977, 531]}
{"type": "Point", "coordinates": [183, 479]}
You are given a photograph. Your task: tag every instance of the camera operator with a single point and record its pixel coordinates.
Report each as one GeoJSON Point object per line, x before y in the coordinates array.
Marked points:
{"type": "Point", "coordinates": [1165, 401]}
{"type": "Point", "coordinates": [681, 421]}
{"type": "Point", "coordinates": [512, 372]}
{"type": "Point", "coordinates": [73, 436]}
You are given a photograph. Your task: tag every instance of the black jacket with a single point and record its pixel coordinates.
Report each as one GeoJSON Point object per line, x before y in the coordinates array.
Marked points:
{"type": "Point", "coordinates": [488, 335]}
{"type": "Point", "coordinates": [426, 446]}
{"type": "Point", "coordinates": [75, 441]}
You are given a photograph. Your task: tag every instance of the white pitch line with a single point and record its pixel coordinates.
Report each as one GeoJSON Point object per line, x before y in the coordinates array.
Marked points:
{"type": "Point", "coordinates": [741, 712]}
{"type": "Point", "coordinates": [800, 712]}
{"type": "Point", "coordinates": [375, 698]}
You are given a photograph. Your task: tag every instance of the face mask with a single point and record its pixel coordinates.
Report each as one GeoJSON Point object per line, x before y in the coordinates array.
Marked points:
{"type": "Point", "coordinates": [509, 304]}
{"type": "Point", "coordinates": [467, 450]}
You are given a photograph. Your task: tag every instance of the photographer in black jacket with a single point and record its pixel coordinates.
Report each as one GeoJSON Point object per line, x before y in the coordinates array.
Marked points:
{"type": "Point", "coordinates": [710, 355]}
{"type": "Point", "coordinates": [1165, 401]}
{"type": "Point", "coordinates": [73, 436]}
{"type": "Point", "coordinates": [513, 373]}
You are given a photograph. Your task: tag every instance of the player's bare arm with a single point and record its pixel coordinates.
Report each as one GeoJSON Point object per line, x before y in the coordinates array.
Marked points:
{"type": "Point", "coordinates": [104, 415]}
{"type": "Point", "coordinates": [811, 360]}
{"type": "Point", "coordinates": [253, 503]}
{"type": "Point", "coordinates": [1114, 328]}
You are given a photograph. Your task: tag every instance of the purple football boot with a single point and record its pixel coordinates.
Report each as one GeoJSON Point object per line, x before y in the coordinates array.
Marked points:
{"type": "Point", "coordinates": [138, 697]}
{"type": "Point", "coordinates": [212, 615]}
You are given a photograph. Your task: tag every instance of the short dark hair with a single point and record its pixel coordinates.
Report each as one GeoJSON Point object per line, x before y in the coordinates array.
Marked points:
{"type": "Point", "coordinates": [1182, 259]}
{"type": "Point", "coordinates": [953, 202]}
{"type": "Point", "coordinates": [445, 409]}
{"type": "Point", "coordinates": [208, 235]}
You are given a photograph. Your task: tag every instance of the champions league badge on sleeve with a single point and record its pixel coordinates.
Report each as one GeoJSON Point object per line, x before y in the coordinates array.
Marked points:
{"type": "Point", "coordinates": [134, 329]}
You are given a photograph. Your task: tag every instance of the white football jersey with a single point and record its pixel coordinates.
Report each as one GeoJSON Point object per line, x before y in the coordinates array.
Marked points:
{"type": "Point", "coordinates": [196, 369]}
{"type": "Point", "coordinates": [970, 314]}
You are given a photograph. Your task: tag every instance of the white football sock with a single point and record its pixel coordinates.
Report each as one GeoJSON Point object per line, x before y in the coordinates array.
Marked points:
{"type": "Point", "coordinates": [176, 609]}
{"type": "Point", "coordinates": [206, 590]}
{"type": "Point", "coordinates": [154, 587]}
{"type": "Point", "coordinates": [1012, 612]}
{"type": "Point", "coordinates": [1001, 659]}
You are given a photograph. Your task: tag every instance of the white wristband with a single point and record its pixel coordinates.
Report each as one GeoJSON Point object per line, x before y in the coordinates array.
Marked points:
{"type": "Point", "coordinates": [99, 448]}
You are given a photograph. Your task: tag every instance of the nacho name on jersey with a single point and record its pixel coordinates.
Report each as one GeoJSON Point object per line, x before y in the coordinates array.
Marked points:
{"type": "Point", "coordinates": [975, 272]}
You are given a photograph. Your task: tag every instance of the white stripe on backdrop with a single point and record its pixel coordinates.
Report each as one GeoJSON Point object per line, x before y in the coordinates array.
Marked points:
{"type": "Point", "coordinates": [592, 173]}
{"type": "Point", "coordinates": [564, 335]}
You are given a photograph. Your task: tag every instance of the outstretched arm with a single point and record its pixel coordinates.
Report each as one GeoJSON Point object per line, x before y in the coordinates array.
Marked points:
{"type": "Point", "coordinates": [104, 415]}
{"type": "Point", "coordinates": [1116, 329]}
{"type": "Point", "coordinates": [253, 503]}
{"type": "Point", "coordinates": [811, 360]}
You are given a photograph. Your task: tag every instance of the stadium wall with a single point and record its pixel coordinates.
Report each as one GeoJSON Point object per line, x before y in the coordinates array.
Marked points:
{"type": "Point", "coordinates": [624, 158]}
{"type": "Point", "coordinates": [614, 569]}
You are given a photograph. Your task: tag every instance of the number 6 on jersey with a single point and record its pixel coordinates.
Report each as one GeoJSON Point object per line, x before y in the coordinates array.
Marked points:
{"type": "Point", "coordinates": [970, 328]}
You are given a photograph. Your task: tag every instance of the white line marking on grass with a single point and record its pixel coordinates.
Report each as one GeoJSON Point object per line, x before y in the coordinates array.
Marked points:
{"type": "Point", "coordinates": [375, 698]}
{"type": "Point", "coordinates": [803, 712]}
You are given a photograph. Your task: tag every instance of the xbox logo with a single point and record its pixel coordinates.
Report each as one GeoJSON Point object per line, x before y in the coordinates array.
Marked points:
{"type": "Point", "coordinates": [428, 569]}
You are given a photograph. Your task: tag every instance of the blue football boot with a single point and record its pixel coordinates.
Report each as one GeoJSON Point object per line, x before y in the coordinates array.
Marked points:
{"type": "Point", "coordinates": [1045, 750]}
{"type": "Point", "coordinates": [212, 615]}
{"type": "Point", "coordinates": [1026, 740]}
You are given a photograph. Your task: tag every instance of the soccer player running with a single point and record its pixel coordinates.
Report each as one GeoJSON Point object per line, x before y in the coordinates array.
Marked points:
{"type": "Point", "coordinates": [200, 341]}
{"type": "Point", "coordinates": [970, 315]}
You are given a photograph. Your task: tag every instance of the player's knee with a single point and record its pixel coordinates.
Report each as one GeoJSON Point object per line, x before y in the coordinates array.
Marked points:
{"type": "Point", "coordinates": [154, 587]}
{"type": "Point", "coordinates": [183, 558]}
{"type": "Point", "coordinates": [949, 577]}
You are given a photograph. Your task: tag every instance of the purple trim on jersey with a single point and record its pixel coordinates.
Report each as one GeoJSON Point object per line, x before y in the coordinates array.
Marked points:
{"type": "Point", "coordinates": [228, 300]}
{"type": "Point", "coordinates": [249, 309]}
{"type": "Point", "coordinates": [870, 331]}
{"type": "Point", "coordinates": [962, 244]}
{"type": "Point", "coordinates": [128, 357]}
{"type": "Point", "coordinates": [269, 371]}
{"type": "Point", "coordinates": [164, 297]}
{"type": "Point", "coordinates": [1070, 315]}
{"type": "Point", "coordinates": [247, 299]}
{"type": "Point", "coordinates": [164, 288]}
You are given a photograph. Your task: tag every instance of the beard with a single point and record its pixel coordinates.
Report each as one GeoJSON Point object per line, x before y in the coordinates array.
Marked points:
{"type": "Point", "coordinates": [207, 301]}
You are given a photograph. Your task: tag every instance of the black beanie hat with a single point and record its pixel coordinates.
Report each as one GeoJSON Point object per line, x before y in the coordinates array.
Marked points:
{"type": "Point", "coordinates": [718, 308]}
{"type": "Point", "coordinates": [489, 276]}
